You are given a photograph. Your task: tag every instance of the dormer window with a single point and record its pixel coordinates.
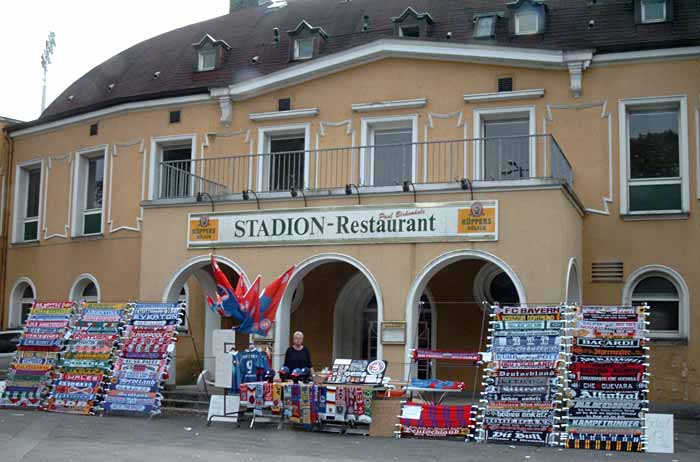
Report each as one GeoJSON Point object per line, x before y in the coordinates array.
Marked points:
{"type": "Point", "coordinates": [207, 60]}
{"type": "Point", "coordinates": [306, 41]}
{"type": "Point", "coordinates": [412, 24]}
{"type": "Point", "coordinates": [304, 48]}
{"type": "Point", "coordinates": [485, 24]}
{"type": "Point", "coordinates": [209, 53]}
{"type": "Point", "coordinates": [652, 11]}
{"type": "Point", "coordinates": [527, 17]}
{"type": "Point", "coordinates": [526, 22]}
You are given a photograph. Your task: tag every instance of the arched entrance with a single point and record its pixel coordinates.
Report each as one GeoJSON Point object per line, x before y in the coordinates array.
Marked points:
{"type": "Point", "coordinates": [337, 303]}
{"type": "Point", "coordinates": [460, 283]}
{"type": "Point", "coordinates": [195, 277]}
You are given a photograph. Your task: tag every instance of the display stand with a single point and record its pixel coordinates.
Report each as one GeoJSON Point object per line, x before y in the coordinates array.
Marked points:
{"type": "Point", "coordinates": [523, 388]}
{"type": "Point", "coordinates": [226, 415]}
{"type": "Point", "coordinates": [607, 380]}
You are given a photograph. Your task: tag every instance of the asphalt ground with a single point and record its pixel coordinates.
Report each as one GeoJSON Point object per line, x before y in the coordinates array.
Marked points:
{"type": "Point", "coordinates": [29, 436]}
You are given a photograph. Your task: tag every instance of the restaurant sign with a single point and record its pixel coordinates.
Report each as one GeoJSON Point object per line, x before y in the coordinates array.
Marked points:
{"type": "Point", "coordinates": [459, 221]}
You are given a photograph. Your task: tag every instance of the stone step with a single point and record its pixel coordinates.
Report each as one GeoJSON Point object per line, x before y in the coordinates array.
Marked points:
{"type": "Point", "coordinates": [168, 410]}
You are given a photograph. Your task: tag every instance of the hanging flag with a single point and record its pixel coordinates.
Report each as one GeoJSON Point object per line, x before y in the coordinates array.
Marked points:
{"type": "Point", "coordinates": [226, 297]}
{"type": "Point", "coordinates": [271, 298]}
{"type": "Point", "coordinates": [250, 307]}
{"type": "Point", "coordinates": [241, 289]}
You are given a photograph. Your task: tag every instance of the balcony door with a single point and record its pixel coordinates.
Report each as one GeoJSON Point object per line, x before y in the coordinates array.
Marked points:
{"type": "Point", "coordinates": [506, 144]}
{"type": "Point", "coordinates": [286, 163]}
{"type": "Point", "coordinates": [390, 150]}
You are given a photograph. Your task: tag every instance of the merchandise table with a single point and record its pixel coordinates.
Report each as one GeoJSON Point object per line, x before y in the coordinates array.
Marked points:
{"type": "Point", "coordinates": [430, 395]}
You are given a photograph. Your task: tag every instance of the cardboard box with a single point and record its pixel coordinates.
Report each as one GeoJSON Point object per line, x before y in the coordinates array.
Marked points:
{"type": "Point", "coordinates": [384, 412]}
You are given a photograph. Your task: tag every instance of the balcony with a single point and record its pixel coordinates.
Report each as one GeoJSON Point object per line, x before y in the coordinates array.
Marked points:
{"type": "Point", "coordinates": [516, 160]}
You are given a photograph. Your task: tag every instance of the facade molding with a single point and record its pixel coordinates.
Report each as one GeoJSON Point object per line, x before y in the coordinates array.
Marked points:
{"type": "Point", "coordinates": [604, 114]}
{"type": "Point", "coordinates": [629, 57]}
{"type": "Point", "coordinates": [283, 115]}
{"type": "Point", "coordinates": [14, 316]}
{"type": "Point", "coordinates": [177, 101]}
{"type": "Point", "coordinates": [461, 122]}
{"type": "Point", "coordinates": [389, 105]}
{"type": "Point", "coordinates": [115, 154]}
{"type": "Point", "coordinates": [67, 225]}
{"type": "Point", "coordinates": [350, 131]}
{"type": "Point", "coordinates": [76, 230]}
{"type": "Point", "coordinates": [504, 95]}
{"type": "Point", "coordinates": [263, 138]}
{"type": "Point", "coordinates": [16, 212]}
{"type": "Point", "coordinates": [157, 143]}
{"type": "Point", "coordinates": [367, 154]}
{"type": "Point", "coordinates": [573, 273]}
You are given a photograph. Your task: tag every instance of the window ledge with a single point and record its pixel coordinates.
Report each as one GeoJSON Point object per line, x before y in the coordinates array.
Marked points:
{"type": "Point", "coordinates": [668, 341]}
{"type": "Point", "coordinates": [655, 216]}
{"type": "Point", "coordinates": [32, 243]}
{"type": "Point", "coordinates": [504, 95]}
{"type": "Point", "coordinates": [88, 237]}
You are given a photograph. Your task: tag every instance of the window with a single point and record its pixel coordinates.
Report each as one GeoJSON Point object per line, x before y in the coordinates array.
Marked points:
{"type": "Point", "coordinates": [286, 162]}
{"type": "Point", "coordinates": [93, 129]}
{"type": "Point", "coordinates": [304, 48]}
{"type": "Point", "coordinates": [653, 10]}
{"type": "Point", "coordinates": [493, 285]}
{"type": "Point", "coordinates": [654, 165]}
{"type": "Point", "coordinates": [505, 84]}
{"type": "Point", "coordinates": [9, 342]}
{"type": "Point", "coordinates": [666, 293]}
{"type": "Point", "coordinates": [426, 323]}
{"type": "Point", "coordinates": [89, 193]}
{"type": "Point", "coordinates": [485, 27]}
{"type": "Point", "coordinates": [85, 290]}
{"type": "Point", "coordinates": [284, 104]}
{"type": "Point", "coordinates": [369, 330]}
{"type": "Point", "coordinates": [391, 150]}
{"type": "Point", "coordinates": [173, 168]}
{"type": "Point", "coordinates": [506, 143]}
{"type": "Point", "coordinates": [21, 302]}
{"type": "Point", "coordinates": [283, 165]}
{"type": "Point", "coordinates": [183, 297]}
{"type": "Point", "coordinates": [174, 117]}
{"type": "Point", "coordinates": [28, 202]}
{"type": "Point", "coordinates": [527, 22]}
{"type": "Point", "coordinates": [207, 59]}
{"type": "Point", "coordinates": [409, 31]}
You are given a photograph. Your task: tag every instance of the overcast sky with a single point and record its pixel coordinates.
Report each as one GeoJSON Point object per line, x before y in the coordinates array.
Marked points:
{"type": "Point", "coordinates": [88, 32]}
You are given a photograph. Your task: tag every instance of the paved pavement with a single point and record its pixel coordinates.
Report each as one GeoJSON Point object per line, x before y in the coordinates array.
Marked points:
{"type": "Point", "coordinates": [29, 436]}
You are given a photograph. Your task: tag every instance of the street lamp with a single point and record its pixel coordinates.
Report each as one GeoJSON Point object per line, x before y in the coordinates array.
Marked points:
{"type": "Point", "coordinates": [200, 198]}
{"type": "Point", "coordinates": [295, 192]}
{"type": "Point", "coordinates": [348, 191]}
{"type": "Point", "coordinates": [246, 196]}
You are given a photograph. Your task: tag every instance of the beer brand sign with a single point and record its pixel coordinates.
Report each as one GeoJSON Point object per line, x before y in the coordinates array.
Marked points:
{"type": "Point", "coordinates": [464, 221]}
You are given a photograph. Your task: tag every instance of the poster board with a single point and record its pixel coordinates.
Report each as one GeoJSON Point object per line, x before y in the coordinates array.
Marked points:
{"type": "Point", "coordinates": [393, 332]}
{"type": "Point", "coordinates": [659, 433]}
{"type": "Point", "coordinates": [223, 372]}
{"type": "Point", "coordinates": [357, 372]}
{"type": "Point", "coordinates": [216, 408]}
{"type": "Point", "coordinates": [222, 340]}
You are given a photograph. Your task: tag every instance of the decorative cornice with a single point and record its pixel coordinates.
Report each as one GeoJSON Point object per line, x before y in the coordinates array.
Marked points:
{"type": "Point", "coordinates": [504, 95]}
{"type": "Point", "coordinates": [280, 115]}
{"type": "Point", "coordinates": [386, 105]}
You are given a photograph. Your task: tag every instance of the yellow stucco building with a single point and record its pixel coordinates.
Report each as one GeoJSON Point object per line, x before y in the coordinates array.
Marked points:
{"type": "Point", "coordinates": [414, 160]}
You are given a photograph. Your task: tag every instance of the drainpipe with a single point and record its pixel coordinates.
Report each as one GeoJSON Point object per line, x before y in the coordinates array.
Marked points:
{"type": "Point", "coordinates": [5, 225]}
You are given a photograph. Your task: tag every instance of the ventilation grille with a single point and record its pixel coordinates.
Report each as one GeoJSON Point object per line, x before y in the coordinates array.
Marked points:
{"type": "Point", "coordinates": [505, 84]}
{"type": "Point", "coordinates": [607, 271]}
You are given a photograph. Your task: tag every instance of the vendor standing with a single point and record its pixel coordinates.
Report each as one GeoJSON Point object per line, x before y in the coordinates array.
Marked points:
{"type": "Point", "coordinates": [297, 355]}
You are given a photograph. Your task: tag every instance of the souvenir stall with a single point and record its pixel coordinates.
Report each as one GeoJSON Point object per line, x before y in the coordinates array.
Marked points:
{"type": "Point", "coordinates": [86, 361]}
{"type": "Point", "coordinates": [522, 384]}
{"type": "Point", "coordinates": [144, 356]}
{"type": "Point", "coordinates": [37, 355]}
{"type": "Point", "coordinates": [607, 379]}
{"type": "Point", "coordinates": [424, 415]}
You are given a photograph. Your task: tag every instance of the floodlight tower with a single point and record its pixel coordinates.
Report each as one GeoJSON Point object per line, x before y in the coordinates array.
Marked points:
{"type": "Point", "coordinates": [45, 61]}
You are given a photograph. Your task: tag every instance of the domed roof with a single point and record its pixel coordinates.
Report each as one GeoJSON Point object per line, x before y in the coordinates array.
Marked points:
{"type": "Point", "coordinates": [163, 65]}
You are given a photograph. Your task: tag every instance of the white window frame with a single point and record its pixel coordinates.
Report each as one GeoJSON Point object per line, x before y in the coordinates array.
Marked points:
{"type": "Point", "coordinates": [490, 33]}
{"type": "Point", "coordinates": [518, 14]}
{"type": "Point", "coordinates": [482, 115]}
{"type": "Point", "coordinates": [297, 48]}
{"type": "Point", "coordinates": [683, 297]}
{"type": "Point", "coordinates": [15, 313]}
{"type": "Point", "coordinates": [79, 189]}
{"type": "Point", "coordinates": [265, 135]}
{"type": "Point", "coordinates": [20, 200]}
{"type": "Point", "coordinates": [79, 285]}
{"type": "Point", "coordinates": [200, 59]}
{"type": "Point", "coordinates": [158, 143]}
{"type": "Point", "coordinates": [642, 12]}
{"type": "Point", "coordinates": [369, 125]}
{"type": "Point", "coordinates": [623, 108]}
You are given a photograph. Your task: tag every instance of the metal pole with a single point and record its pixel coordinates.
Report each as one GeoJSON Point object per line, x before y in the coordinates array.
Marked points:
{"type": "Point", "coordinates": [45, 61]}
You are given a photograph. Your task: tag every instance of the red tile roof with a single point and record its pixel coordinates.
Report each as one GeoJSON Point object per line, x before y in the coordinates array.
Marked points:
{"type": "Point", "coordinates": [249, 32]}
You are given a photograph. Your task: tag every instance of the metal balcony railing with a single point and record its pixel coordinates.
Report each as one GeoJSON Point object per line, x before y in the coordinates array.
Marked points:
{"type": "Point", "coordinates": [512, 158]}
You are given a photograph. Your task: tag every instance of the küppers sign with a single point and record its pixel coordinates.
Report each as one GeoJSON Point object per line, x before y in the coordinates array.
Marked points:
{"type": "Point", "coordinates": [464, 221]}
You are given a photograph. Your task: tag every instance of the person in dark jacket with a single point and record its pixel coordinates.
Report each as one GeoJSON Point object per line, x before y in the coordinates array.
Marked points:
{"type": "Point", "coordinates": [297, 355]}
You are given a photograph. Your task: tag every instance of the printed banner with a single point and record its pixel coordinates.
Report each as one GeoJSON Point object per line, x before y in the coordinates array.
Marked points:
{"type": "Point", "coordinates": [540, 438]}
